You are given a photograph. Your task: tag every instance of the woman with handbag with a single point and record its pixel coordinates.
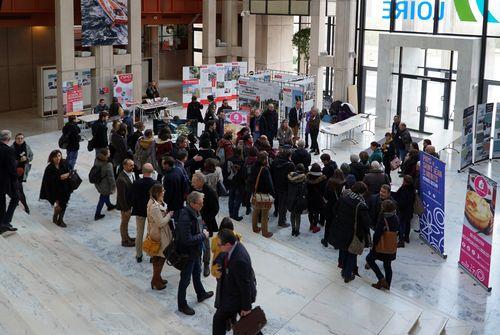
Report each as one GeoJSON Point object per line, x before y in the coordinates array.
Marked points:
{"type": "Point", "coordinates": [159, 234]}
{"type": "Point", "coordinates": [384, 245]}
{"type": "Point", "coordinates": [56, 187]}
{"type": "Point", "coordinates": [24, 156]}
{"type": "Point", "coordinates": [262, 197]}
{"type": "Point", "coordinates": [350, 228]}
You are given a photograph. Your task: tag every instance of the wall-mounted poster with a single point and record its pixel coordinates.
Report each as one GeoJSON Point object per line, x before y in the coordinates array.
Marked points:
{"type": "Point", "coordinates": [496, 134]}
{"type": "Point", "coordinates": [74, 96]}
{"type": "Point", "coordinates": [467, 138]}
{"type": "Point", "coordinates": [123, 87]}
{"type": "Point", "coordinates": [477, 232]}
{"type": "Point", "coordinates": [104, 22]}
{"type": "Point", "coordinates": [236, 120]}
{"type": "Point", "coordinates": [484, 119]}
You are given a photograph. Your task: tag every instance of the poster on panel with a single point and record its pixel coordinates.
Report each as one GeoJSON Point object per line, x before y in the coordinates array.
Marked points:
{"type": "Point", "coordinates": [73, 96]}
{"type": "Point", "coordinates": [123, 87]}
{"type": "Point", "coordinates": [496, 134]}
{"type": "Point", "coordinates": [432, 193]}
{"type": "Point", "coordinates": [104, 22]}
{"type": "Point", "coordinates": [477, 230]}
{"type": "Point", "coordinates": [236, 120]}
{"type": "Point", "coordinates": [484, 119]}
{"type": "Point", "coordinates": [467, 138]}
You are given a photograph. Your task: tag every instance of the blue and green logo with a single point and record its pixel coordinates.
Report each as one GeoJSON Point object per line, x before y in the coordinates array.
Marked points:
{"type": "Point", "coordinates": [424, 10]}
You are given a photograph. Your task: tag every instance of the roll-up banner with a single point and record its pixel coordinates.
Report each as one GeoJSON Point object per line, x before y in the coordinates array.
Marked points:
{"type": "Point", "coordinates": [467, 138]}
{"type": "Point", "coordinates": [484, 119]}
{"type": "Point", "coordinates": [432, 193]}
{"type": "Point", "coordinates": [496, 134]}
{"type": "Point", "coordinates": [477, 231]}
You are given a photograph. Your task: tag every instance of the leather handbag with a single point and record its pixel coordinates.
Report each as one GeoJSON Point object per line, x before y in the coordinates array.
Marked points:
{"type": "Point", "coordinates": [74, 180]}
{"type": "Point", "coordinates": [261, 200]}
{"type": "Point", "coordinates": [388, 243]}
{"type": "Point", "coordinates": [251, 324]}
{"type": "Point", "coordinates": [174, 258]}
{"type": "Point", "coordinates": [395, 163]}
{"type": "Point", "coordinates": [150, 246]}
{"type": "Point", "coordinates": [357, 246]}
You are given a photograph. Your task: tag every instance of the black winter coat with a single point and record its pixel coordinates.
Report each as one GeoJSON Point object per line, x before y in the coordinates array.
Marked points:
{"type": "Point", "coordinates": [121, 151]}
{"type": "Point", "coordinates": [296, 196]}
{"type": "Point", "coordinates": [358, 170]}
{"type": "Point", "coordinates": [73, 132]}
{"type": "Point", "coordinates": [174, 183]}
{"type": "Point", "coordinates": [265, 182]}
{"type": "Point", "coordinates": [405, 198]}
{"type": "Point", "coordinates": [280, 168]}
{"type": "Point", "coordinates": [375, 207]}
{"type": "Point", "coordinates": [271, 118]}
{"type": "Point", "coordinates": [194, 111]}
{"type": "Point", "coordinates": [8, 174]}
{"type": "Point", "coordinates": [315, 193]}
{"type": "Point", "coordinates": [342, 229]}
{"type": "Point", "coordinates": [210, 208]}
{"type": "Point", "coordinates": [188, 234]}
{"type": "Point", "coordinates": [302, 156]}
{"type": "Point", "coordinates": [140, 196]}
{"type": "Point", "coordinates": [53, 188]}
{"type": "Point", "coordinates": [393, 223]}
{"type": "Point", "coordinates": [329, 169]}
{"type": "Point", "coordinates": [100, 134]}
{"type": "Point", "coordinates": [132, 140]}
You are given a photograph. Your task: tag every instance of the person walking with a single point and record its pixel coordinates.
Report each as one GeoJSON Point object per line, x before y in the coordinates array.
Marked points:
{"type": "Point", "coordinates": [351, 218]}
{"type": "Point", "coordinates": [190, 238]}
{"type": "Point", "coordinates": [238, 287]}
{"type": "Point", "coordinates": [296, 197]}
{"type": "Point", "coordinates": [71, 132]}
{"type": "Point", "coordinates": [387, 224]}
{"type": "Point", "coordinates": [106, 184]}
{"type": "Point", "coordinates": [55, 186]}
{"type": "Point", "coordinates": [316, 204]}
{"type": "Point", "coordinates": [24, 156]}
{"type": "Point", "coordinates": [263, 184]}
{"type": "Point", "coordinates": [159, 231]}
{"type": "Point", "coordinates": [405, 199]}
{"type": "Point", "coordinates": [140, 196]}
{"type": "Point", "coordinates": [100, 133]}
{"type": "Point", "coordinates": [295, 119]}
{"type": "Point", "coordinates": [8, 183]}
{"type": "Point", "coordinates": [314, 124]}
{"type": "Point", "coordinates": [124, 182]}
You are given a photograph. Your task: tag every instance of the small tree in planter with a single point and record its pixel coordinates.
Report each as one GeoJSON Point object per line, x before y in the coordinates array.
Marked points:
{"type": "Point", "coordinates": [302, 41]}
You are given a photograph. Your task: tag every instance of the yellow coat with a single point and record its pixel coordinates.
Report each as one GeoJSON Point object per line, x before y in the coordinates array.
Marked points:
{"type": "Point", "coordinates": [214, 247]}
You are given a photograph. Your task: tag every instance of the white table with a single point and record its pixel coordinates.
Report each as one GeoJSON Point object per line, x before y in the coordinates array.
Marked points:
{"type": "Point", "coordinates": [151, 108]}
{"type": "Point", "coordinates": [444, 139]}
{"type": "Point", "coordinates": [345, 127]}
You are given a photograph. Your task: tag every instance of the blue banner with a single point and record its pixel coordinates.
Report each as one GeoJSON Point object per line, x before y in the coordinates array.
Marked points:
{"type": "Point", "coordinates": [432, 189]}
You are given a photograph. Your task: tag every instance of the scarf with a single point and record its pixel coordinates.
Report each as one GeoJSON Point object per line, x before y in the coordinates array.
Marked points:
{"type": "Point", "coordinates": [350, 194]}
{"type": "Point", "coordinates": [389, 214]}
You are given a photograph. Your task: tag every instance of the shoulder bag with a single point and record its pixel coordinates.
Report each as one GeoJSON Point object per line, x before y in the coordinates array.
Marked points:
{"type": "Point", "coordinates": [251, 324]}
{"type": "Point", "coordinates": [388, 243]}
{"type": "Point", "coordinates": [357, 246]}
{"type": "Point", "coordinates": [74, 180]}
{"type": "Point", "coordinates": [261, 200]}
{"type": "Point", "coordinates": [150, 246]}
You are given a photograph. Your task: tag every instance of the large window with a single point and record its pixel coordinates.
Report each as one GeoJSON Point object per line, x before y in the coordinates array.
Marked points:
{"type": "Point", "coordinates": [280, 7]}
{"type": "Point", "coordinates": [197, 44]}
{"type": "Point", "coordinates": [173, 37]}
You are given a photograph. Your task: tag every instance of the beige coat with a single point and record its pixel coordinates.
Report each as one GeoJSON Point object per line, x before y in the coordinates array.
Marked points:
{"type": "Point", "coordinates": [158, 228]}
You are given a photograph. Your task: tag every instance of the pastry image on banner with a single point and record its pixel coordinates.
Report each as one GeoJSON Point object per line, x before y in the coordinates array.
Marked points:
{"type": "Point", "coordinates": [477, 233]}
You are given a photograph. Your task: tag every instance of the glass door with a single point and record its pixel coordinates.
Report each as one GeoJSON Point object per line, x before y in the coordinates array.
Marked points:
{"type": "Point", "coordinates": [435, 102]}
{"type": "Point", "coordinates": [410, 103]}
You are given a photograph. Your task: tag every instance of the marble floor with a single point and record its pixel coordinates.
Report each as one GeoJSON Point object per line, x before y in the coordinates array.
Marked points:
{"type": "Point", "coordinates": [299, 285]}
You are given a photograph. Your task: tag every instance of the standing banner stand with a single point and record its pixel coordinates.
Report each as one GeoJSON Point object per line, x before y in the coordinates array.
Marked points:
{"type": "Point", "coordinates": [123, 87]}
{"type": "Point", "coordinates": [72, 97]}
{"type": "Point", "coordinates": [484, 119]}
{"type": "Point", "coordinates": [467, 138]}
{"type": "Point", "coordinates": [219, 80]}
{"type": "Point", "coordinates": [235, 120]}
{"type": "Point", "coordinates": [432, 193]}
{"type": "Point", "coordinates": [496, 134]}
{"type": "Point", "coordinates": [477, 233]}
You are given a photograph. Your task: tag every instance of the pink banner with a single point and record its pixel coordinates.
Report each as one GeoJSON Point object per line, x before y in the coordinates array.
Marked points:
{"type": "Point", "coordinates": [477, 233]}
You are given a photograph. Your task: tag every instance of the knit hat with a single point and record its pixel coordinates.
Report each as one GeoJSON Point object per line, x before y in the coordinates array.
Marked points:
{"type": "Point", "coordinates": [354, 158]}
{"type": "Point", "coordinates": [315, 170]}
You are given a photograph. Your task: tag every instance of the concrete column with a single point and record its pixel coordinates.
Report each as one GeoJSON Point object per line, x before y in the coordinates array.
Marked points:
{"type": "Point", "coordinates": [154, 51]}
{"type": "Point", "coordinates": [65, 51]}
{"type": "Point", "coordinates": [103, 72]}
{"type": "Point", "coordinates": [274, 42]}
{"type": "Point", "coordinates": [345, 31]}
{"type": "Point", "coordinates": [318, 36]}
{"type": "Point", "coordinates": [248, 37]}
{"type": "Point", "coordinates": [134, 46]}
{"type": "Point", "coordinates": [189, 54]}
{"type": "Point", "coordinates": [209, 30]}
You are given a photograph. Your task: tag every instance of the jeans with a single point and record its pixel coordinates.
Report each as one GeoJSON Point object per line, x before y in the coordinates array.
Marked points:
{"type": "Point", "coordinates": [234, 201]}
{"type": "Point", "coordinates": [281, 202]}
{"type": "Point", "coordinates": [71, 157]}
{"type": "Point", "coordinates": [206, 251]}
{"type": "Point", "coordinates": [314, 140]}
{"type": "Point", "coordinates": [6, 213]}
{"type": "Point", "coordinates": [295, 219]}
{"type": "Point", "coordinates": [103, 199]}
{"type": "Point", "coordinates": [256, 135]}
{"type": "Point", "coordinates": [192, 268]}
{"type": "Point", "coordinates": [348, 262]}
{"type": "Point", "coordinates": [402, 154]}
{"type": "Point", "coordinates": [370, 259]}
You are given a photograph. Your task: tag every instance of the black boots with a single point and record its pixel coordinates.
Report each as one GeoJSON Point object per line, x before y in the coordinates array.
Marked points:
{"type": "Point", "coordinates": [58, 217]}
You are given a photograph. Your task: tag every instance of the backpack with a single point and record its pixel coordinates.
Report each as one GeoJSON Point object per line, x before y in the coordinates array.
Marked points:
{"type": "Point", "coordinates": [95, 175]}
{"type": "Point", "coordinates": [64, 141]}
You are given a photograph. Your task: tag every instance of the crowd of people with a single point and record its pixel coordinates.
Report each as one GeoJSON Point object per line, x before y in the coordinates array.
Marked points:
{"type": "Point", "coordinates": [174, 190]}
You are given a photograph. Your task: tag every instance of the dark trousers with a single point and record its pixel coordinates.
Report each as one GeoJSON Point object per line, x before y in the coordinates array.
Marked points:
{"type": "Point", "coordinates": [348, 262]}
{"type": "Point", "coordinates": [313, 218]}
{"type": "Point", "coordinates": [206, 251]}
{"type": "Point", "coordinates": [281, 202]}
{"type": "Point", "coordinates": [221, 318]}
{"type": "Point", "coordinates": [404, 228]}
{"type": "Point", "coordinates": [306, 135]}
{"type": "Point", "coordinates": [6, 213]}
{"type": "Point", "coordinates": [234, 201]}
{"type": "Point", "coordinates": [22, 196]}
{"type": "Point", "coordinates": [103, 199]}
{"type": "Point", "coordinates": [402, 153]}
{"type": "Point", "coordinates": [191, 269]}
{"type": "Point", "coordinates": [295, 220]}
{"type": "Point", "coordinates": [370, 259]}
{"type": "Point", "coordinates": [314, 140]}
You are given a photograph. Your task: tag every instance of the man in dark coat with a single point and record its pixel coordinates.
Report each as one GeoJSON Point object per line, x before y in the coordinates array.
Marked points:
{"type": "Point", "coordinates": [294, 119]}
{"type": "Point", "coordinates": [301, 155]}
{"type": "Point", "coordinates": [72, 133]}
{"type": "Point", "coordinates": [8, 182]}
{"type": "Point", "coordinates": [375, 204]}
{"type": "Point", "coordinates": [271, 117]}
{"type": "Point", "coordinates": [194, 110]}
{"type": "Point", "coordinates": [100, 132]}
{"type": "Point", "coordinates": [211, 134]}
{"type": "Point", "coordinates": [237, 289]}
{"type": "Point", "coordinates": [329, 166]}
{"type": "Point", "coordinates": [174, 184]}
{"type": "Point", "coordinates": [224, 107]}
{"type": "Point", "coordinates": [280, 168]}
{"type": "Point", "coordinates": [406, 141]}
{"type": "Point", "coordinates": [190, 238]}
{"type": "Point", "coordinates": [396, 136]}
{"type": "Point", "coordinates": [208, 213]}
{"type": "Point", "coordinates": [124, 182]}
{"type": "Point", "coordinates": [258, 125]}
{"type": "Point", "coordinates": [357, 169]}
{"type": "Point", "coordinates": [140, 198]}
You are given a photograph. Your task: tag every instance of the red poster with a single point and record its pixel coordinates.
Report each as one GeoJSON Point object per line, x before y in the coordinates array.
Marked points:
{"type": "Point", "coordinates": [74, 98]}
{"type": "Point", "coordinates": [477, 233]}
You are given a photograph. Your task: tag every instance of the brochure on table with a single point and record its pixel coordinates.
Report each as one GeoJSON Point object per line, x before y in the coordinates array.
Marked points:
{"type": "Point", "coordinates": [219, 80]}
{"type": "Point", "coordinates": [478, 224]}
